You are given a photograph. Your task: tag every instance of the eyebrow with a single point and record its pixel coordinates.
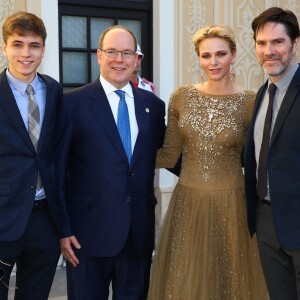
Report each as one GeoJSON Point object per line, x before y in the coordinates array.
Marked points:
{"type": "Point", "coordinates": [274, 40]}
{"type": "Point", "coordinates": [30, 43]}
{"type": "Point", "coordinates": [219, 51]}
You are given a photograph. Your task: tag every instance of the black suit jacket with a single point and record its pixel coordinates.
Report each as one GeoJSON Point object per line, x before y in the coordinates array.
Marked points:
{"type": "Point", "coordinates": [105, 196]}
{"type": "Point", "coordinates": [283, 168]}
{"type": "Point", "coordinates": [19, 163]}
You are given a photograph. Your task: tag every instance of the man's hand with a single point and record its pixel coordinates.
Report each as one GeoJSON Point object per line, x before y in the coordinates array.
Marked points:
{"type": "Point", "coordinates": [66, 245]}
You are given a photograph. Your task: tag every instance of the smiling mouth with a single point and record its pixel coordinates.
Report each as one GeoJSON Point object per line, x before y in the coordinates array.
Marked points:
{"type": "Point", "coordinates": [27, 63]}
{"type": "Point", "coordinates": [269, 61]}
{"type": "Point", "coordinates": [118, 69]}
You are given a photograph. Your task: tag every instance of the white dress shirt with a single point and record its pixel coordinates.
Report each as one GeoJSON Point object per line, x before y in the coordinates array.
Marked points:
{"type": "Point", "coordinates": [114, 99]}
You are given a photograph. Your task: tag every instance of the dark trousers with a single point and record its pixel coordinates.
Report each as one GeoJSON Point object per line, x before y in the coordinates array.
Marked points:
{"type": "Point", "coordinates": [281, 266]}
{"type": "Point", "coordinates": [35, 254]}
{"type": "Point", "coordinates": [128, 273]}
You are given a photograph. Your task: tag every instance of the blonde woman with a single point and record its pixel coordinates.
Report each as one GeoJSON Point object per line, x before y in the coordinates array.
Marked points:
{"type": "Point", "coordinates": [205, 250]}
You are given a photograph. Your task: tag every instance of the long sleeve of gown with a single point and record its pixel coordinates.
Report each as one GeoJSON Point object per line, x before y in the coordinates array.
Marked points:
{"type": "Point", "coordinates": [168, 155]}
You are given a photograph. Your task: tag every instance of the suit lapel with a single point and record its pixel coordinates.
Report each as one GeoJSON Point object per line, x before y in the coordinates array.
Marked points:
{"type": "Point", "coordinates": [101, 108]}
{"type": "Point", "coordinates": [9, 106]}
{"type": "Point", "coordinates": [286, 105]}
{"type": "Point", "coordinates": [259, 98]}
{"type": "Point", "coordinates": [142, 113]}
{"type": "Point", "coordinates": [48, 111]}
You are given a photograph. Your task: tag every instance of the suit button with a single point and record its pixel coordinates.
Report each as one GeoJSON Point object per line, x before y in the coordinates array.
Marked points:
{"type": "Point", "coordinates": [32, 187]}
{"type": "Point", "coordinates": [128, 199]}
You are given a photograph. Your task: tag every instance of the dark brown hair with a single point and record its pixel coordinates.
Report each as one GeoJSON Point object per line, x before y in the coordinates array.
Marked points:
{"type": "Point", "coordinates": [278, 16]}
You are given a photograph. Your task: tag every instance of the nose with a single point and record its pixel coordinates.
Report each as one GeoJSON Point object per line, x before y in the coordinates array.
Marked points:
{"type": "Point", "coordinates": [214, 60]}
{"type": "Point", "coordinates": [269, 49]}
{"type": "Point", "coordinates": [26, 51]}
{"type": "Point", "coordinates": [119, 56]}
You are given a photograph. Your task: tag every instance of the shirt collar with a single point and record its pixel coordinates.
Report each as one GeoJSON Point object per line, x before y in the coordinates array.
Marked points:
{"type": "Point", "coordinates": [19, 85]}
{"type": "Point", "coordinates": [109, 88]}
{"type": "Point", "coordinates": [284, 82]}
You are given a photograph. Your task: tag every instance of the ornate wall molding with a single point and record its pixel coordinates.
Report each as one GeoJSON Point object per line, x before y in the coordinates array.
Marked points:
{"type": "Point", "coordinates": [197, 19]}
{"type": "Point", "coordinates": [239, 15]}
{"type": "Point", "coordinates": [246, 64]}
{"type": "Point", "coordinates": [7, 7]}
{"type": "Point", "coordinates": [293, 5]}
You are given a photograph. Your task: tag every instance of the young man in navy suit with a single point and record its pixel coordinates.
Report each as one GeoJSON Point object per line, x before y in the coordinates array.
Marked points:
{"type": "Point", "coordinates": [107, 180]}
{"type": "Point", "coordinates": [272, 154]}
{"type": "Point", "coordinates": [29, 103]}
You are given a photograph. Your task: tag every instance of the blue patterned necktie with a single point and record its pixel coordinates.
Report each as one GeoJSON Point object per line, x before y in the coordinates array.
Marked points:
{"type": "Point", "coordinates": [123, 124]}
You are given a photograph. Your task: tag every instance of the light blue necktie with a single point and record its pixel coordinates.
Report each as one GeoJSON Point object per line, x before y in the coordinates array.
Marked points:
{"type": "Point", "coordinates": [123, 123]}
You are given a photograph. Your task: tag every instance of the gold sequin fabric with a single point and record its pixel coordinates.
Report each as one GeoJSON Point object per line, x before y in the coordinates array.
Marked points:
{"type": "Point", "coordinates": [205, 250]}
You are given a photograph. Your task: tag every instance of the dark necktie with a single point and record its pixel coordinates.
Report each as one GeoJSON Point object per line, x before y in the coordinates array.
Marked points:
{"type": "Point", "coordinates": [34, 125]}
{"type": "Point", "coordinates": [263, 155]}
{"type": "Point", "coordinates": [123, 124]}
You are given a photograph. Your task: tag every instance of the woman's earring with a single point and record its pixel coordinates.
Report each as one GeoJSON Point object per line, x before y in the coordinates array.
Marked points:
{"type": "Point", "coordinates": [232, 72]}
{"type": "Point", "coordinates": [201, 77]}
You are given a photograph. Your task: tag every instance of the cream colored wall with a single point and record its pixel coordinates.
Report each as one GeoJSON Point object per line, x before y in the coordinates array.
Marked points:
{"type": "Point", "coordinates": [238, 14]}
{"type": "Point", "coordinates": [48, 11]}
{"type": "Point", "coordinates": [7, 7]}
{"type": "Point", "coordinates": [190, 15]}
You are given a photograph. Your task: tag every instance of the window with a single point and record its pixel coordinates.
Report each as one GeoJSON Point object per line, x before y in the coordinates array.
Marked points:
{"type": "Point", "coordinates": [81, 23]}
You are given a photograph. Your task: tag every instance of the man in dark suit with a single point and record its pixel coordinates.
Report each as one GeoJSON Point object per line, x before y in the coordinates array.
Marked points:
{"type": "Point", "coordinates": [29, 103]}
{"type": "Point", "coordinates": [106, 181]}
{"type": "Point", "coordinates": [272, 154]}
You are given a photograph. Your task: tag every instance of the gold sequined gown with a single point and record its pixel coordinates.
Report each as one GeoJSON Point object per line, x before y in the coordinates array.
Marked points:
{"type": "Point", "coordinates": [204, 250]}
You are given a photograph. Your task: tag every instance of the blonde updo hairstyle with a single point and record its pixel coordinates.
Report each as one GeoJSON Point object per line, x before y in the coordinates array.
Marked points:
{"type": "Point", "coordinates": [215, 31]}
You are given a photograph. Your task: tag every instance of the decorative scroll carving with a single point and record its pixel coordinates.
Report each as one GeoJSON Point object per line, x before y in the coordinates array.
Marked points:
{"type": "Point", "coordinates": [197, 20]}
{"type": "Point", "coordinates": [293, 5]}
{"type": "Point", "coordinates": [7, 7]}
{"type": "Point", "coordinates": [246, 63]}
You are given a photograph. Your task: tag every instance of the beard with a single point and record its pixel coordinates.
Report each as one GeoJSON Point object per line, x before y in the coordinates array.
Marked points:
{"type": "Point", "coordinates": [280, 70]}
{"type": "Point", "coordinates": [279, 67]}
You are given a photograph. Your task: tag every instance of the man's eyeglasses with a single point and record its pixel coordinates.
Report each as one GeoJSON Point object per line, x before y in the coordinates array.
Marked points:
{"type": "Point", "coordinates": [126, 54]}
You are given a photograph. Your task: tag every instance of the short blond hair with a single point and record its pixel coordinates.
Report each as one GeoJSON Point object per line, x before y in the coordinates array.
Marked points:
{"type": "Point", "coordinates": [221, 31]}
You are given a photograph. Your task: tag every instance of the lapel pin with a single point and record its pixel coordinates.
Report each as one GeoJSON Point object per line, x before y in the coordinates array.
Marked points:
{"type": "Point", "coordinates": [147, 110]}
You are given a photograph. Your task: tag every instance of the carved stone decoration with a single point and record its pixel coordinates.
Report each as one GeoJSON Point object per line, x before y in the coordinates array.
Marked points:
{"type": "Point", "coordinates": [293, 5]}
{"type": "Point", "coordinates": [7, 7]}
{"type": "Point", "coordinates": [246, 64]}
{"type": "Point", "coordinates": [197, 13]}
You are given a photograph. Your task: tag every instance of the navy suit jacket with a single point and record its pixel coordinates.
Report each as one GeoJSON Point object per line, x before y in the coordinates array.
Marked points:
{"type": "Point", "coordinates": [19, 163]}
{"type": "Point", "coordinates": [283, 168]}
{"type": "Point", "coordinates": [104, 195]}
